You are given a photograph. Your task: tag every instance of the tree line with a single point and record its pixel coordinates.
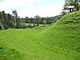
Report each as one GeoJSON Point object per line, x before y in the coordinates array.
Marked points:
{"type": "Point", "coordinates": [14, 21]}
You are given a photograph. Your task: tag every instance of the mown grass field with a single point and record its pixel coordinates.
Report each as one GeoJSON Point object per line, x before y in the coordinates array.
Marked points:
{"type": "Point", "coordinates": [58, 41]}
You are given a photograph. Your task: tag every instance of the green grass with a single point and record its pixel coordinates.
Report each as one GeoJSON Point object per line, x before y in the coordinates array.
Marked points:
{"type": "Point", "coordinates": [58, 41]}
{"type": "Point", "coordinates": [27, 24]}
{"type": "Point", "coordinates": [10, 54]}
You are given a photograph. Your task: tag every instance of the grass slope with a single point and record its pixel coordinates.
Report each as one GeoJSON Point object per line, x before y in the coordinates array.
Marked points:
{"type": "Point", "coordinates": [58, 41]}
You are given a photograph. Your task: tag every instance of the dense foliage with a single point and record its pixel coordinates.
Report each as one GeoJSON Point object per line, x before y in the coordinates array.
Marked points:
{"type": "Point", "coordinates": [7, 20]}
{"type": "Point", "coordinates": [14, 21]}
{"type": "Point", "coordinates": [71, 6]}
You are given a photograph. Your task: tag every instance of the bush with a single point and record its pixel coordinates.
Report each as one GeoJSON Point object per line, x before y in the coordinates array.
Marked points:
{"type": "Point", "coordinates": [29, 26]}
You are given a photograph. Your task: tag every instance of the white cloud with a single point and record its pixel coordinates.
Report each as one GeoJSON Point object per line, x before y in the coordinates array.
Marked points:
{"type": "Point", "coordinates": [43, 11]}
{"type": "Point", "coordinates": [7, 5]}
{"type": "Point", "coordinates": [16, 3]}
{"type": "Point", "coordinates": [27, 8]}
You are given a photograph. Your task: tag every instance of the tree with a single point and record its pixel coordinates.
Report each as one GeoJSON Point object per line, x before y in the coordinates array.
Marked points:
{"type": "Point", "coordinates": [37, 19]}
{"type": "Point", "coordinates": [75, 3]}
{"type": "Point", "coordinates": [27, 19]}
{"type": "Point", "coordinates": [14, 12]}
{"type": "Point", "coordinates": [5, 20]}
{"type": "Point", "coordinates": [31, 19]}
{"type": "Point", "coordinates": [17, 22]}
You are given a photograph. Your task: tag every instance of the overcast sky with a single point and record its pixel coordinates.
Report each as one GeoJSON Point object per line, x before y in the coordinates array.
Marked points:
{"type": "Point", "coordinates": [30, 8]}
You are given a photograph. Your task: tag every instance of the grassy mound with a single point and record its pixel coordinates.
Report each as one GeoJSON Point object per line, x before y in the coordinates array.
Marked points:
{"type": "Point", "coordinates": [64, 34]}
{"type": "Point", "coordinates": [58, 41]}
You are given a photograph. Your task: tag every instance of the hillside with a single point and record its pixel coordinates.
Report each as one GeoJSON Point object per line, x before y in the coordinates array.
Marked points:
{"type": "Point", "coordinates": [58, 41]}
{"type": "Point", "coordinates": [65, 32]}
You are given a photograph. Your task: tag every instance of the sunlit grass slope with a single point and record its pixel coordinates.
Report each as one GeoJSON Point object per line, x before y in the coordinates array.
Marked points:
{"type": "Point", "coordinates": [58, 41]}
{"type": "Point", "coordinates": [65, 34]}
